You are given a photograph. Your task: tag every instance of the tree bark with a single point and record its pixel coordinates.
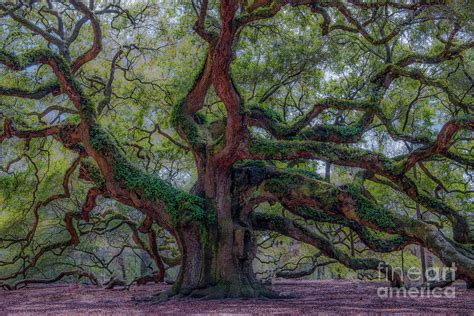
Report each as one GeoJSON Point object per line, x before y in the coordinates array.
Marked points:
{"type": "Point", "coordinates": [217, 258]}
{"type": "Point", "coordinates": [214, 267]}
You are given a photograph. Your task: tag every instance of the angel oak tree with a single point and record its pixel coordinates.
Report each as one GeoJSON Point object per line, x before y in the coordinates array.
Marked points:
{"type": "Point", "coordinates": [246, 157]}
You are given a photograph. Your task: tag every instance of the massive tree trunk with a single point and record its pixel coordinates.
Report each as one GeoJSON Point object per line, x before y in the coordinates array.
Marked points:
{"type": "Point", "coordinates": [215, 268]}
{"type": "Point", "coordinates": [217, 258]}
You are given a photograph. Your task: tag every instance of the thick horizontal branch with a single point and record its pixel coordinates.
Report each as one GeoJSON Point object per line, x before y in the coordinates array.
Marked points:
{"type": "Point", "coordinates": [270, 121]}
{"type": "Point", "coordinates": [349, 202]}
{"type": "Point", "coordinates": [286, 227]}
{"type": "Point", "coordinates": [10, 130]}
{"type": "Point", "coordinates": [389, 72]}
{"type": "Point", "coordinates": [263, 117]}
{"type": "Point", "coordinates": [67, 134]}
{"type": "Point", "coordinates": [393, 169]}
{"type": "Point", "coordinates": [78, 273]}
{"type": "Point", "coordinates": [36, 94]}
{"type": "Point", "coordinates": [250, 175]}
{"type": "Point", "coordinates": [369, 237]}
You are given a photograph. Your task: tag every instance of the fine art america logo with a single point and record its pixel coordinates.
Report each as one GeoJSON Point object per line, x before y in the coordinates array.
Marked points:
{"type": "Point", "coordinates": [437, 280]}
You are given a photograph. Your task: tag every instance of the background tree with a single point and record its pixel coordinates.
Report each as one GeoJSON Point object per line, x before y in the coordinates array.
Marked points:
{"type": "Point", "coordinates": [371, 89]}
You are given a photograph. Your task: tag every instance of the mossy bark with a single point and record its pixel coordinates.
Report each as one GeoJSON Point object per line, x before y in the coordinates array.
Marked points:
{"type": "Point", "coordinates": [217, 258]}
{"type": "Point", "coordinates": [212, 268]}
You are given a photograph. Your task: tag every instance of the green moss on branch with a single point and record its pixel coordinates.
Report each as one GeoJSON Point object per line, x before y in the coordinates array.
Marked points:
{"type": "Point", "coordinates": [181, 205]}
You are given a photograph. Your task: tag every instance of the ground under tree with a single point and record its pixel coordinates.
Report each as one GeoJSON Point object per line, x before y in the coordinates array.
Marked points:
{"type": "Point", "coordinates": [382, 91]}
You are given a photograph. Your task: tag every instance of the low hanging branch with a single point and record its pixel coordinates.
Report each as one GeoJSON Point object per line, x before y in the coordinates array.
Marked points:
{"type": "Point", "coordinates": [299, 232]}
{"type": "Point", "coordinates": [78, 273]}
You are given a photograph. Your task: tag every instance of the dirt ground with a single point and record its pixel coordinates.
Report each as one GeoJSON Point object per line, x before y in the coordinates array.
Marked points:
{"type": "Point", "coordinates": [313, 297]}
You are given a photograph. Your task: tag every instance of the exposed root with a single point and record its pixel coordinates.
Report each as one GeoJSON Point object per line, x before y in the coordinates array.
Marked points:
{"type": "Point", "coordinates": [217, 292]}
{"type": "Point", "coordinates": [115, 282]}
{"type": "Point", "coordinates": [156, 298]}
{"type": "Point", "coordinates": [223, 291]}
